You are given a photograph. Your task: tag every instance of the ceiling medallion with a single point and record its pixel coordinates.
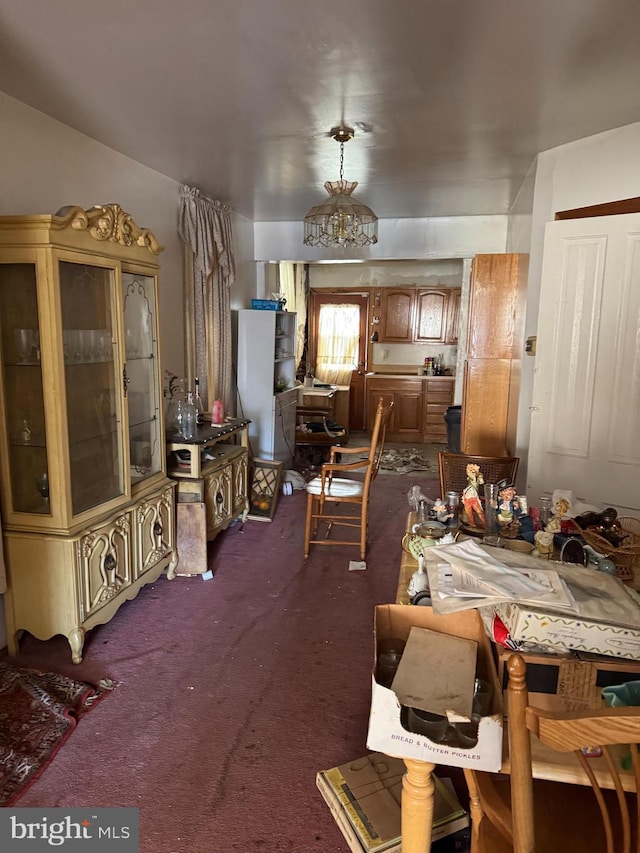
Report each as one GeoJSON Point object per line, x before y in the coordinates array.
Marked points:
{"type": "Point", "coordinates": [341, 220]}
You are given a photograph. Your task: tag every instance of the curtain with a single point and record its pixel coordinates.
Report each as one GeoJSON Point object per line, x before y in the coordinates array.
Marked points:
{"type": "Point", "coordinates": [293, 285]}
{"type": "Point", "coordinates": [204, 226]}
{"type": "Point", "coordinates": [338, 338]}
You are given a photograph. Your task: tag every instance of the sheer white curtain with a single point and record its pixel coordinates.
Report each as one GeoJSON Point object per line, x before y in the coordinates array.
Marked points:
{"type": "Point", "coordinates": [293, 284]}
{"type": "Point", "coordinates": [205, 228]}
{"type": "Point", "coordinates": [338, 338]}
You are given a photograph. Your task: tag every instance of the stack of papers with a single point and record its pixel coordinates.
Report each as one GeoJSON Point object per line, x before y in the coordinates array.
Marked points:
{"type": "Point", "coordinates": [465, 575]}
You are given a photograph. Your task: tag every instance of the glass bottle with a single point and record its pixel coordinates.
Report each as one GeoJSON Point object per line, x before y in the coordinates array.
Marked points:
{"type": "Point", "coordinates": [197, 399]}
{"type": "Point", "coordinates": [189, 415]}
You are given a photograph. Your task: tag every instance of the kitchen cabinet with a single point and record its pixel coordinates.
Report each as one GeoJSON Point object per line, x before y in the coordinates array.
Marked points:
{"type": "Point", "coordinates": [419, 315]}
{"type": "Point", "coordinates": [453, 322]}
{"type": "Point", "coordinates": [398, 308]}
{"type": "Point", "coordinates": [266, 373]}
{"type": "Point", "coordinates": [211, 476]}
{"type": "Point", "coordinates": [406, 419]}
{"type": "Point", "coordinates": [491, 382]}
{"type": "Point", "coordinates": [431, 316]}
{"type": "Point", "coordinates": [88, 510]}
{"type": "Point", "coordinates": [420, 405]}
{"type": "Point", "coordinates": [438, 396]}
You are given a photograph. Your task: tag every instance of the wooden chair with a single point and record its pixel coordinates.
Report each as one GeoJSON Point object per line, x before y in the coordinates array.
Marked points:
{"type": "Point", "coordinates": [453, 470]}
{"type": "Point", "coordinates": [524, 814]}
{"type": "Point", "coordinates": [327, 492]}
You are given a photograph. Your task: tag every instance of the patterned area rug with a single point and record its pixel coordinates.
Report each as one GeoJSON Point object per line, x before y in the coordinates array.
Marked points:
{"type": "Point", "coordinates": [405, 460]}
{"type": "Point", "coordinates": [38, 712]}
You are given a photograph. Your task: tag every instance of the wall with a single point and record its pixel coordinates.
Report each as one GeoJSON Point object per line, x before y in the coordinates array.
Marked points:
{"type": "Point", "coordinates": [444, 237]}
{"type": "Point", "coordinates": [600, 168]}
{"type": "Point", "coordinates": [46, 165]}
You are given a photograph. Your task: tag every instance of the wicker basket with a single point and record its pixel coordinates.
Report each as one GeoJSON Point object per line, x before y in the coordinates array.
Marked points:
{"type": "Point", "coordinates": [627, 556]}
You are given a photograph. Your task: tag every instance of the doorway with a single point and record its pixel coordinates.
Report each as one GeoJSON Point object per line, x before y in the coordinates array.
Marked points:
{"type": "Point", "coordinates": [338, 345]}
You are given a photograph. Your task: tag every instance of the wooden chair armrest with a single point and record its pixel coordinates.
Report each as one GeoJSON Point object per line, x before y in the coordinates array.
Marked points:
{"type": "Point", "coordinates": [337, 450]}
{"type": "Point", "coordinates": [330, 467]}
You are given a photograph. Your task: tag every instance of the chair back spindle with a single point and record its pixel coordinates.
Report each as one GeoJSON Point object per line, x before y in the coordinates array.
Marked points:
{"type": "Point", "coordinates": [575, 731]}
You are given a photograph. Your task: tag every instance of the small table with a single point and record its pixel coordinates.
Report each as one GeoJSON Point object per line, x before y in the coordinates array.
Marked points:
{"type": "Point", "coordinates": [212, 487]}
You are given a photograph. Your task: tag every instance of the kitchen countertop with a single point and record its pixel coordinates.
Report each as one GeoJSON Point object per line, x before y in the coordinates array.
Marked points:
{"type": "Point", "coordinates": [404, 374]}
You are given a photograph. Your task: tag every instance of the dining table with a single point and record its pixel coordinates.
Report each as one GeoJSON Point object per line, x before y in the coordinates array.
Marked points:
{"type": "Point", "coordinates": [418, 786]}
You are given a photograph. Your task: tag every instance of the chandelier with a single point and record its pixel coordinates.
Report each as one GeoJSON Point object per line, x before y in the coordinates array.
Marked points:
{"type": "Point", "coordinates": [341, 220]}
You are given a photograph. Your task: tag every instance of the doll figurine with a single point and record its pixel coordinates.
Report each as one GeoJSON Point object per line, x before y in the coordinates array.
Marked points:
{"type": "Point", "coordinates": [471, 496]}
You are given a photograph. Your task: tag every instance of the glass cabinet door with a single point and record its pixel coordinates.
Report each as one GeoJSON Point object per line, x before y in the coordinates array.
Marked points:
{"type": "Point", "coordinates": [24, 411]}
{"type": "Point", "coordinates": [141, 343]}
{"type": "Point", "coordinates": [93, 387]}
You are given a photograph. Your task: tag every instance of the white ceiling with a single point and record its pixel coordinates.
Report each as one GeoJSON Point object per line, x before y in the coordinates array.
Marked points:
{"type": "Point", "coordinates": [450, 99]}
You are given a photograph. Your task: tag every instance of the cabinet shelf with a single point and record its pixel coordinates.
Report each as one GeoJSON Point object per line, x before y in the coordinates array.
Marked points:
{"type": "Point", "coordinates": [260, 377]}
{"type": "Point", "coordinates": [143, 422]}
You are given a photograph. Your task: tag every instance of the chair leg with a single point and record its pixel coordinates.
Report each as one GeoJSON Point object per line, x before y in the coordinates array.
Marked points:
{"type": "Point", "coordinates": [364, 525]}
{"type": "Point", "coordinates": [307, 525]}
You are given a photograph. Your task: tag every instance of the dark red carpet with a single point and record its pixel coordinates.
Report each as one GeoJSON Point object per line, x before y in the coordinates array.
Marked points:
{"type": "Point", "coordinates": [233, 692]}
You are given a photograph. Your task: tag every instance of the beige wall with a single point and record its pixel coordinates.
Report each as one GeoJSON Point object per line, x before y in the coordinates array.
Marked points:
{"type": "Point", "coordinates": [46, 165]}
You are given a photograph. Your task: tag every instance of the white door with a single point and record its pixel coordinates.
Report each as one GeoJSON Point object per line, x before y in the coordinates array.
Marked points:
{"type": "Point", "coordinates": [585, 421]}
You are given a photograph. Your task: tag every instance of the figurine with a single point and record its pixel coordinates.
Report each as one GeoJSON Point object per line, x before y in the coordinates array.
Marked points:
{"type": "Point", "coordinates": [442, 511]}
{"type": "Point", "coordinates": [509, 509]}
{"type": "Point", "coordinates": [544, 543]}
{"type": "Point", "coordinates": [562, 507]}
{"type": "Point", "coordinates": [508, 503]}
{"type": "Point", "coordinates": [471, 496]}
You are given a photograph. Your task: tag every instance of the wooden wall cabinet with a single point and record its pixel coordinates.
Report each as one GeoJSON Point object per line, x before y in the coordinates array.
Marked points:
{"type": "Point", "coordinates": [427, 315]}
{"type": "Point", "coordinates": [453, 321]}
{"type": "Point", "coordinates": [491, 383]}
{"type": "Point", "coordinates": [432, 316]}
{"type": "Point", "coordinates": [397, 320]}
{"type": "Point", "coordinates": [88, 511]}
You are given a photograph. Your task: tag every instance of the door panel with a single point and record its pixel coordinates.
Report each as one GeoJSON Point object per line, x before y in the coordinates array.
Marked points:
{"type": "Point", "coordinates": [586, 395]}
{"type": "Point", "coordinates": [356, 385]}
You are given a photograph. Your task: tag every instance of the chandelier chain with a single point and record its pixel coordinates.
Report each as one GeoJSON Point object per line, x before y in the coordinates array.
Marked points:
{"type": "Point", "coordinates": [341, 159]}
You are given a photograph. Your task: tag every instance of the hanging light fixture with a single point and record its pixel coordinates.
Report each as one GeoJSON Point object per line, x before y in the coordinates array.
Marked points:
{"type": "Point", "coordinates": [341, 220]}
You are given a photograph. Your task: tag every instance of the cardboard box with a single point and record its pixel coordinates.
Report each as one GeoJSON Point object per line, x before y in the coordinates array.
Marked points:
{"type": "Point", "coordinates": [365, 799]}
{"type": "Point", "coordinates": [569, 681]}
{"type": "Point", "coordinates": [387, 733]}
{"type": "Point", "coordinates": [569, 632]}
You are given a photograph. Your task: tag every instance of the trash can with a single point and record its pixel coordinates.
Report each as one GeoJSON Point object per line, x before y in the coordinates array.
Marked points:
{"type": "Point", "coordinates": [453, 416]}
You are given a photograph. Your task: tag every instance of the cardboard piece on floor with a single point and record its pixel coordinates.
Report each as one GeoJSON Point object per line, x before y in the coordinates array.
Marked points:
{"type": "Point", "coordinates": [436, 673]}
{"type": "Point", "coordinates": [365, 795]}
{"type": "Point", "coordinates": [357, 565]}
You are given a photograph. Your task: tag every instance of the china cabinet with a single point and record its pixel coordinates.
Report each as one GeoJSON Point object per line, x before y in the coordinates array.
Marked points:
{"type": "Point", "coordinates": [87, 508]}
{"type": "Point", "coordinates": [266, 377]}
